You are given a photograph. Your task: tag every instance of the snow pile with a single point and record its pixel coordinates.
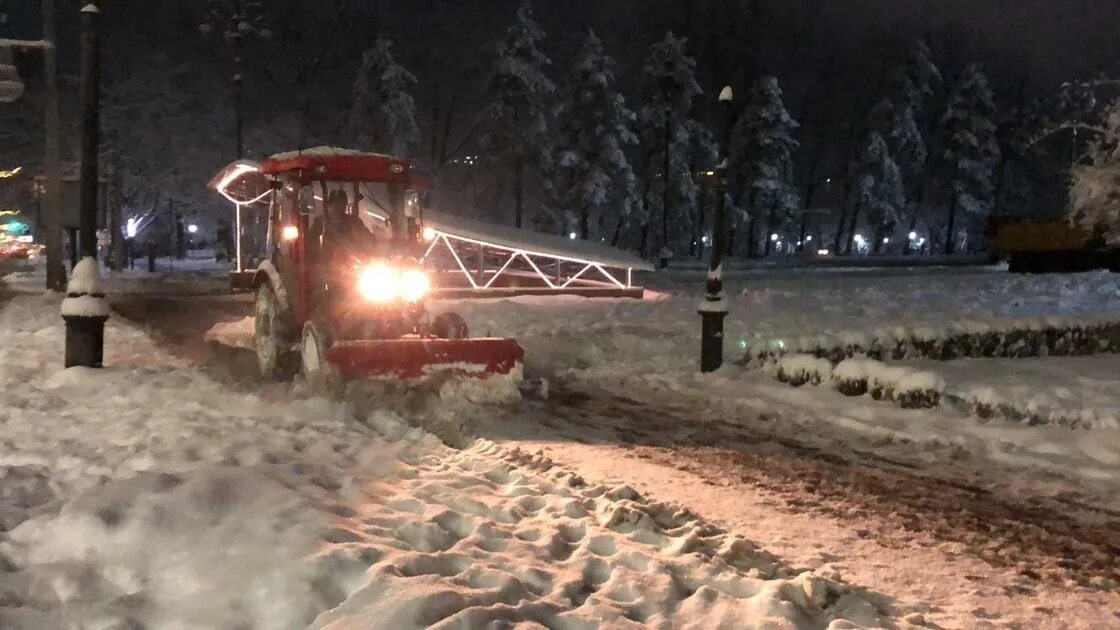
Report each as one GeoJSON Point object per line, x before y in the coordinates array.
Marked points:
{"type": "Point", "coordinates": [236, 334]}
{"type": "Point", "coordinates": [531, 543]}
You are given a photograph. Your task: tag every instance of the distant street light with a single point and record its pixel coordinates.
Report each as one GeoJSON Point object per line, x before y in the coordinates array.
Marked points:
{"type": "Point", "coordinates": [192, 228]}
{"type": "Point", "coordinates": [913, 236]}
{"type": "Point", "coordinates": [886, 239]}
{"type": "Point", "coordinates": [713, 309]}
{"type": "Point", "coordinates": [774, 238]}
{"type": "Point", "coordinates": [572, 235]}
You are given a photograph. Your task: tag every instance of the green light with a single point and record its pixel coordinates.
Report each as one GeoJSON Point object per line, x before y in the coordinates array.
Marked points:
{"type": "Point", "coordinates": [743, 343]}
{"type": "Point", "coordinates": [15, 227]}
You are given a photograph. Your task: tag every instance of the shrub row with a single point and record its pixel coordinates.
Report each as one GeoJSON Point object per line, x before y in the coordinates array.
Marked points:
{"type": "Point", "coordinates": [1013, 339]}
{"type": "Point", "coordinates": [911, 389]}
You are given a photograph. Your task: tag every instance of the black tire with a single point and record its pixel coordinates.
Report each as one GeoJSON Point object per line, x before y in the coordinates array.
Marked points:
{"type": "Point", "coordinates": [450, 326]}
{"type": "Point", "coordinates": [315, 342]}
{"type": "Point", "coordinates": [272, 336]}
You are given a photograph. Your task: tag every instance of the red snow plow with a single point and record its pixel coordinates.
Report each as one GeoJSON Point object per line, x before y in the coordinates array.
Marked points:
{"type": "Point", "coordinates": [342, 291]}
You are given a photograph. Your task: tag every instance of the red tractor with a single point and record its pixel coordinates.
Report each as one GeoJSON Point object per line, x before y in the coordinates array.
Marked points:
{"type": "Point", "coordinates": [340, 289]}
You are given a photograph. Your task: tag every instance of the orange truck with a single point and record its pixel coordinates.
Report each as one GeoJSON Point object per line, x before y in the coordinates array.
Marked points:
{"type": "Point", "coordinates": [1052, 247]}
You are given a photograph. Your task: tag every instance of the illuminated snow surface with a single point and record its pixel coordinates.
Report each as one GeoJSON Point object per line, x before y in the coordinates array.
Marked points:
{"type": "Point", "coordinates": [149, 491]}
{"type": "Point", "coordinates": [148, 495]}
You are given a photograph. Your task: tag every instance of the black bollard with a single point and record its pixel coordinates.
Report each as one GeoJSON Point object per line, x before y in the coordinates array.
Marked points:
{"type": "Point", "coordinates": [85, 340]}
{"type": "Point", "coordinates": [151, 259]}
{"type": "Point", "coordinates": [85, 311]}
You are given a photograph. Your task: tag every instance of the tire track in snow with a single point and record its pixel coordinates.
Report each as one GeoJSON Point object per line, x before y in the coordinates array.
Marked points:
{"type": "Point", "coordinates": [1057, 540]}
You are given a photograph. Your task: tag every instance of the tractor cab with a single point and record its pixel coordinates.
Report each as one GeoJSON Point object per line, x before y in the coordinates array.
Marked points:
{"type": "Point", "coordinates": [340, 286]}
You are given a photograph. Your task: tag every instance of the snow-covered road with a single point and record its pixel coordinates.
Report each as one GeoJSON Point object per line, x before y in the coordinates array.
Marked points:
{"type": "Point", "coordinates": [153, 494]}
{"type": "Point", "coordinates": [927, 516]}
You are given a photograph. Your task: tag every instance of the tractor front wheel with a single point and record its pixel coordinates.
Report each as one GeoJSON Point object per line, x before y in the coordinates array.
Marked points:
{"type": "Point", "coordinates": [272, 336]}
{"type": "Point", "coordinates": [450, 326]}
{"type": "Point", "coordinates": [313, 353]}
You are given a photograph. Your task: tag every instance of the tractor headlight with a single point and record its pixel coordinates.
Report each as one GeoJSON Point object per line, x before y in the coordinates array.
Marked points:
{"type": "Point", "coordinates": [381, 283]}
{"type": "Point", "coordinates": [378, 283]}
{"type": "Point", "coordinates": [414, 285]}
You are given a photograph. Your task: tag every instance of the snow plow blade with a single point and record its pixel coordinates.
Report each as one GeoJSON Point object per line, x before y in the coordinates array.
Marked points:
{"type": "Point", "coordinates": [417, 358]}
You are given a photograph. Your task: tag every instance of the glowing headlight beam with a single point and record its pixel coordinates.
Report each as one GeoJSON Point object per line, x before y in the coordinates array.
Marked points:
{"type": "Point", "coordinates": [378, 283]}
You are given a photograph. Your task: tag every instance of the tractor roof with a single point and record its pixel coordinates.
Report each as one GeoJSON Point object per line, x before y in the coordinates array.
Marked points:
{"type": "Point", "coordinates": [335, 164]}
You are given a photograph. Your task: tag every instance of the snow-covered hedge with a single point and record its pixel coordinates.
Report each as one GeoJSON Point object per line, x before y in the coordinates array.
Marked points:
{"type": "Point", "coordinates": [912, 389]}
{"type": "Point", "coordinates": [985, 404]}
{"type": "Point", "coordinates": [799, 369]}
{"type": "Point", "coordinates": [974, 339]}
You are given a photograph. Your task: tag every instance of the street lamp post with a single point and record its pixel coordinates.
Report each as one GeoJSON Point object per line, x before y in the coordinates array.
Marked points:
{"type": "Point", "coordinates": [237, 19]}
{"type": "Point", "coordinates": [84, 310]}
{"type": "Point", "coordinates": [713, 309]}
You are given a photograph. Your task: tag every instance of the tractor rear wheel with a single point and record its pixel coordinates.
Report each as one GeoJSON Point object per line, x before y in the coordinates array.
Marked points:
{"type": "Point", "coordinates": [450, 326]}
{"type": "Point", "coordinates": [272, 336]}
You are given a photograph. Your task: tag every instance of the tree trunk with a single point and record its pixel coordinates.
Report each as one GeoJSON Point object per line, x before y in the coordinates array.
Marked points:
{"type": "Point", "coordinates": [810, 192]}
{"type": "Point", "coordinates": [836, 242]}
{"type": "Point", "coordinates": [116, 237]}
{"type": "Point", "coordinates": [665, 189]}
{"type": "Point", "coordinates": [770, 231]}
{"type": "Point", "coordinates": [852, 230]}
{"type": "Point", "coordinates": [752, 236]}
{"type": "Point", "coordinates": [698, 231]}
{"type": "Point", "coordinates": [518, 183]}
{"type": "Point", "coordinates": [644, 245]}
{"type": "Point", "coordinates": [584, 224]}
{"type": "Point", "coordinates": [949, 229]}
{"type": "Point", "coordinates": [445, 135]}
{"type": "Point", "coordinates": [617, 232]}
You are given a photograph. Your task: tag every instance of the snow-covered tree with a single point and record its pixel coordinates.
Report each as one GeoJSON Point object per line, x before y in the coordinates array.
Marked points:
{"type": "Point", "coordinates": [878, 191]}
{"type": "Point", "coordinates": [969, 151]}
{"type": "Point", "coordinates": [383, 114]}
{"type": "Point", "coordinates": [514, 127]}
{"type": "Point", "coordinates": [917, 81]}
{"type": "Point", "coordinates": [915, 90]}
{"type": "Point", "coordinates": [1095, 189]}
{"type": "Point", "coordinates": [1020, 157]}
{"type": "Point", "coordinates": [762, 148]}
{"type": "Point", "coordinates": [672, 143]}
{"type": "Point", "coordinates": [593, 183]}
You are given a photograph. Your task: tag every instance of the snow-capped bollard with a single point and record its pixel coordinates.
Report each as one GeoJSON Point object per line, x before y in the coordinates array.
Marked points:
{"type": "Point", "coordinates": [85, 310]}
{"type": "Point", "coordinates": [713, 308]}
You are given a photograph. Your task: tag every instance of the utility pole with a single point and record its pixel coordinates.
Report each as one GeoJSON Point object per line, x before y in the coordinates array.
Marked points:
{"type": "Point", "coordinates": [714, 307]}
{"type": "Point", "coordinates": [56, 273]}
{"type": "Point", "coordinates": [84, 310]}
